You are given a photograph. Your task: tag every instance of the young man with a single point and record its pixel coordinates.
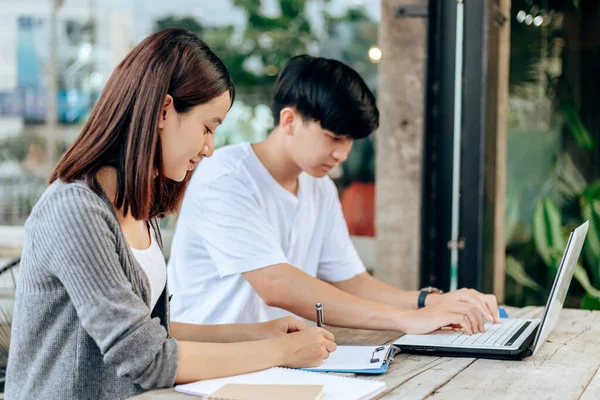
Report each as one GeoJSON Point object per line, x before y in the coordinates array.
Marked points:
{"type": "Point", "coordinates": [261, 232]}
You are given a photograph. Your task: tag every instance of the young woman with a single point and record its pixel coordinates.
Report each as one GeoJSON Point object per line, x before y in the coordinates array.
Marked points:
{"type": "Point", "coordinates": [91, 316]}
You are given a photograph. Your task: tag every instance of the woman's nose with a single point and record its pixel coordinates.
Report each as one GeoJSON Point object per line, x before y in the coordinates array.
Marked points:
{"type": "Point", "coordinates": [209, 147]}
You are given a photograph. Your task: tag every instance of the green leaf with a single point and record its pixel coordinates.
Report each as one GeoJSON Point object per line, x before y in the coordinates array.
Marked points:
{"type": "Point", "coordinates": [547, 232]}
{"type": "Point", "coordinates": [590, 303]}
{"type": "Point", "coordinates": [583, 278]}
{"type": "Point", "coordinates": [515, 270]}
{"type": "Point", "coordinates": [578, 130]}
{"type": "Point", "coordinates": [591, 249]}
{"type": "Point", "coordinates": [591, 192]}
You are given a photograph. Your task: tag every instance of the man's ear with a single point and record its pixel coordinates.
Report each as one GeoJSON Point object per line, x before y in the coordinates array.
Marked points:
{"type": "Point", "coordinates": [287, 119]}
{"type": "Point", "coordinates": [164, 109]}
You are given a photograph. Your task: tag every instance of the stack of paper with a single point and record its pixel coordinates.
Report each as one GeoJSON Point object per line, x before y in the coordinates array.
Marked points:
{"type": "Point", "coordinates": [334, 387]}
{"type": "Point", "coordinates": [233, 391]}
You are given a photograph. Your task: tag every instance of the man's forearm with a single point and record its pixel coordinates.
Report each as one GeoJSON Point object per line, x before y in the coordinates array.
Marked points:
{"type": "Point", "coordinates": [226, 333]}
{"type": "Point", "coordinates": [287, 287]}
{"type": "Point", "coordinates": [367, 287]}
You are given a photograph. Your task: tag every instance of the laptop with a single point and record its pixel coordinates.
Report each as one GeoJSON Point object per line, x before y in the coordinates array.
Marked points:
{"type": "Point", "coordinates": [513, 339]}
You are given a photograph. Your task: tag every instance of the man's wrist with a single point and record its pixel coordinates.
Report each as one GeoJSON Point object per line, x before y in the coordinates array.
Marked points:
{"type": "Point", "coordinates": [401, 320]}
{"type": "Point", "coordinates": [424, 296]}
{"type": "Point", "coordinates": [433, 298]}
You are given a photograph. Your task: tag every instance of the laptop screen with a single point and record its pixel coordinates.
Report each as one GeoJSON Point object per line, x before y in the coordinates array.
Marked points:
{"type": "Point", "coordinates": [561, 284]}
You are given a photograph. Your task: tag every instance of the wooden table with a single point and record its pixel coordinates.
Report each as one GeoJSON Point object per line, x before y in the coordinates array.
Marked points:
{"type": "Point", "coordinates": [565, 367]}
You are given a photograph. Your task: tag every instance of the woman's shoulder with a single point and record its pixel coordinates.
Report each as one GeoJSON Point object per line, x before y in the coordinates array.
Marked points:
{"type": "Point", "coordinates": [68, 216]}
{"type": "Point", "coordinates": [61, 198]}
{"type": "Point", "coordinates": [77, 192]}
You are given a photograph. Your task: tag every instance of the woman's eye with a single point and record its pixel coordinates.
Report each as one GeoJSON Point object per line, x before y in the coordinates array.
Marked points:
{"type": "Point", "coordinates": [208, 131]}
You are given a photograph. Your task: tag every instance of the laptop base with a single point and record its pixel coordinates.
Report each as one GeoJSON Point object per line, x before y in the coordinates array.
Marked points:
{"type": "Point", "coordinates": [522, 352]}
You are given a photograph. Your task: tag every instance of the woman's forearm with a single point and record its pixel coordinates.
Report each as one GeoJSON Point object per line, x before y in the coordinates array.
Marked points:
{"type": "Point", "coordinates": [198, 361]}
{"type": "Point", "coordinates": [226, 333]}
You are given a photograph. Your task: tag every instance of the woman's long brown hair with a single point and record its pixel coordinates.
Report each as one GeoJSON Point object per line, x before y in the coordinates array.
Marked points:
{"type": "Point", "coordinates": [122, 130]}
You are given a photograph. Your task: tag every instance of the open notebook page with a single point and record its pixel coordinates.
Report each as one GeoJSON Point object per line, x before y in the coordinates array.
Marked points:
{"type": "Point", "coordinates": [334, 387]}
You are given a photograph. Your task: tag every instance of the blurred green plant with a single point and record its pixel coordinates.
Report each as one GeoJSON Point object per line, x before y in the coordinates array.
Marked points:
{"type": "Point", "coordinates": [549, 230]}
{"type": "Point", "coordinates": [255, 55]}
{"type": "Point", "coordinates": [564, 202]}
{"type": "Point", "coordinates": [575, 126]}
{"type": "Point", "coordinates": [544, 116]}
{"type": "Point", "coordinates": [549, 237]}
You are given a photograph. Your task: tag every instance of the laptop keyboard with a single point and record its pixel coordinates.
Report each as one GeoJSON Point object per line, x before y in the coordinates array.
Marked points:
{"type": "Point", "coordinates": [502, 334]}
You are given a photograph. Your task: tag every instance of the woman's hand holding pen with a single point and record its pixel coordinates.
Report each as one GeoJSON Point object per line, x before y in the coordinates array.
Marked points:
{"type": "Point", "coordinates": [279, 327]}
{"type": "Point", "coordinates": [305, 348]}
{"type": "Point", "coordinates": [298, 344]}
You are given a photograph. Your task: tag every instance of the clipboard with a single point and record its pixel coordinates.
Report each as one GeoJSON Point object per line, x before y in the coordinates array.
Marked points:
{"type": "Point", "coordinates": [383, 355]}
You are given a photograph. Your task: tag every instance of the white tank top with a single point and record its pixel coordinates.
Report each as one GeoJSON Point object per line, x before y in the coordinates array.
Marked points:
{"type": "Point", "coordinates": [153, 263]}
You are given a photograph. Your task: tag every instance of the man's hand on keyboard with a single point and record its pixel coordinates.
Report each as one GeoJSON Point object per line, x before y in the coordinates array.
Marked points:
{"type": "Point", "coordinates": [486, 303]}
{"type": "Point", "coordinates": [458, 314]}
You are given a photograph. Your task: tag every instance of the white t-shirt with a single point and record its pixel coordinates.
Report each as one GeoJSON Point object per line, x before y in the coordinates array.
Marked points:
{"type": "Point", "coordinates": [153, 263]}
{"type": "Point", "coordinates": [237, 218]}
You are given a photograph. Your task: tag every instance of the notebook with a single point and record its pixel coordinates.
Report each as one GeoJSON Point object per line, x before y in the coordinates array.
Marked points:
{"type": "Point", "coordinates": [357, 359]}
{"type": "Point", "coordinates": [334, 387]}
{"type": "Point", "coordinates": [233, 391]}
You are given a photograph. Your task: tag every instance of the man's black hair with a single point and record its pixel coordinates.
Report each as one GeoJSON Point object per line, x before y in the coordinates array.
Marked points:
{"type": "Point", "coordinates": [327, 91]}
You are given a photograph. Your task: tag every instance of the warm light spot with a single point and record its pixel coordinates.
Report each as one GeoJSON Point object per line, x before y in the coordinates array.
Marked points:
{"type": "Point", "coordinates": [375, 54]}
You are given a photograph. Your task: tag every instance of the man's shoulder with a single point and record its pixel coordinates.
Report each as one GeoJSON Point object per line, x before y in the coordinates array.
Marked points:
{"type": "Point", "coordinates": [232, 152]}
{"type": "Point", "coordinates": [226, 162]}
{"type": "Point", "coordinates": [225, 172]}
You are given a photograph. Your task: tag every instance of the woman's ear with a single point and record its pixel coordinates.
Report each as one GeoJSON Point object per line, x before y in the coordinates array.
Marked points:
{"type": "Point", "coordinates": [164, 111]}
{"type": "Point", "coordinates": [287, 119]}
